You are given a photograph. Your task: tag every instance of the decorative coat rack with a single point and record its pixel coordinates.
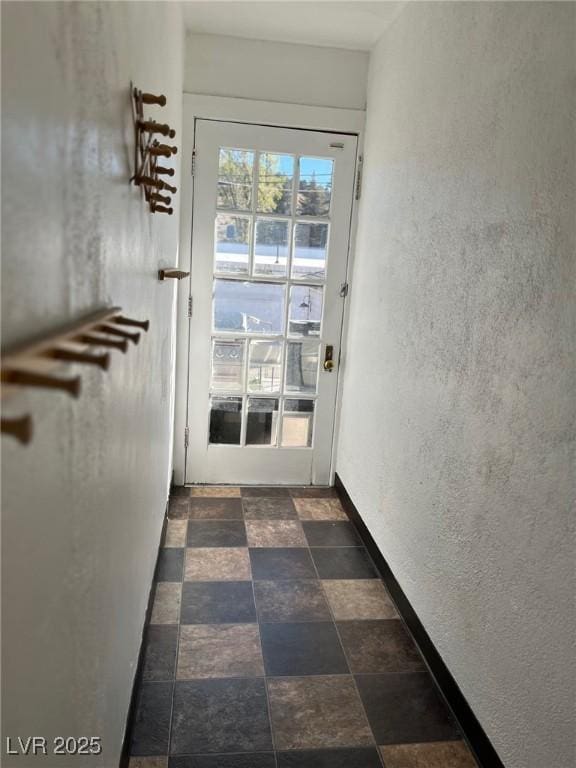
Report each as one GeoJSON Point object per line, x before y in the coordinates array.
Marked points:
{"type": "Point", "coordinates": [149, 153]}
{"type": "Point", "coordinates": [38, 364]}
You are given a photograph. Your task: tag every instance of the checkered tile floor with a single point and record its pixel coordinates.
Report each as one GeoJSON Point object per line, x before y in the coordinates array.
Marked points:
{"type": "Point", "coordinates": [274, 644]}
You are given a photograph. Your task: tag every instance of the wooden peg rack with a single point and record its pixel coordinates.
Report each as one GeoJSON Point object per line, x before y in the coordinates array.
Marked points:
{"type": "Point", "coordinates": [39, 363]}
{"type": "Point", "coordinates": [150, 154]}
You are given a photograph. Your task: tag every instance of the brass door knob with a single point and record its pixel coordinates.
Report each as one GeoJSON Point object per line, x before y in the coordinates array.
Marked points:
{"type": "Point", "coordinates": [329, 358]}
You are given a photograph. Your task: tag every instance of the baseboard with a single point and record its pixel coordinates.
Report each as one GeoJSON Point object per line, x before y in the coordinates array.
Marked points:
{"type": "Point", "coordinates": [471, 728]}
{"type": "Point", "coordinates": [125, 751]}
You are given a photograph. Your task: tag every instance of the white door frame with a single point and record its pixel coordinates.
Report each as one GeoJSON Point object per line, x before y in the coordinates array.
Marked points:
{"type": "Point", "coordinates": [283, 115]}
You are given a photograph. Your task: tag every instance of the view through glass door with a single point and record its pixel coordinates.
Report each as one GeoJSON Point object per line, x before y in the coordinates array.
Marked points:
{"type": "Point", "coordinates": [271, 223]}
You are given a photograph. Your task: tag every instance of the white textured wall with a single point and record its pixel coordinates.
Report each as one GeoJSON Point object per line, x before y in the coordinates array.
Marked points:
{"type": "Point", "coordinates": [83, 504]}
{"type": "Point", "coordinates": [457, 434]}
{"type": "Point", "coordinates": [271, 71]}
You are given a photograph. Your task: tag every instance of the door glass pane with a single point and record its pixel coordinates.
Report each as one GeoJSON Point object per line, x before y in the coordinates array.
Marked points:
{"type": "Point", "coordinates": [262, 421]}
{"type": "Point", "coordinates": [225, 420]}
{"type": "Point", "coordinates": [235, 179]}
{"type": "Point", "coordinates": [305, 310]}
{"type": "Point", "coordinates": [271, 248]}
{"type": "Point", "coordinates": [302, 366]}
{"type": "Point", "coordinates": [310, 250]}
{"type": "Point", "coordinates": [248, 306]}
{"type": "Point", "coordinates": [232, 238]}
{"type": "Point", "coordinates": [228, 364]}
{"type": "Point", "coordinates": [297, 423]}
{"type": "Point", "coordinates": [314, 186]}
{"type": "Point", "coordinates": [275, 175]}
{"type": "Point", "coordinates": [265, 366]}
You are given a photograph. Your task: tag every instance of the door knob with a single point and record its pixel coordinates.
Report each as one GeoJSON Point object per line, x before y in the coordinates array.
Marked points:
{"type": "Point", "coordinates": [329, 358]}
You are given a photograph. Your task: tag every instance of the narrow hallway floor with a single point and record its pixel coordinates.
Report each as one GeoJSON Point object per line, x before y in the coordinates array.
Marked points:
{"type": "Point", "coordinates": [274, 644]}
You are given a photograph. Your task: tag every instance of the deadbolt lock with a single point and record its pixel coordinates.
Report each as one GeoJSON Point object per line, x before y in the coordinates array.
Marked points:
{"type": "Point", "coordinates": [329, 358]}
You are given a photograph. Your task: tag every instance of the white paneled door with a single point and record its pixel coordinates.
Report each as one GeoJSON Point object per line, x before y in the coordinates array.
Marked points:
{"type": "Point", "coordinates": [271, 227]}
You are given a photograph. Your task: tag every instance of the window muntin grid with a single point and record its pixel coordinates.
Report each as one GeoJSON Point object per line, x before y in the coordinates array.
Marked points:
{"type": "Point", "coordinates": [274, 245]}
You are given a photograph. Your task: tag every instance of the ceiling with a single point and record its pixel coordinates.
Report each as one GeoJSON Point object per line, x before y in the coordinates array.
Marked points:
{"type": "Point", "coordinates": [353, 25]}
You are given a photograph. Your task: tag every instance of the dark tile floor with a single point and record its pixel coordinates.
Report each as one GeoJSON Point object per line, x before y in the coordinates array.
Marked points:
{"type": "Point", "coordinates": [274, 644]}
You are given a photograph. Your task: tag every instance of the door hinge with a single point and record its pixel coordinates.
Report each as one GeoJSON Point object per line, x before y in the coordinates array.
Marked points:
{"type": "Point", "coordinates": [344, 290]}
{"type": "Point", "coordinates": [359, 177]}
{"type": "Point", "coordinates": [186, 436]}
{"type": "Point", "coordinates": [190, 303]}
{"type": "Point", "coordinates": [193, 164]}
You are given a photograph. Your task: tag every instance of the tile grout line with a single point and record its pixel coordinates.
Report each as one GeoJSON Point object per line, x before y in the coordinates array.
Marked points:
{"type": "Point", "coordinates": [267, 677]}
{"type": "Point", "coordinates": [275, 677]}
{"type": "Point", "coordinates": [268, 706]}
{"type": "Point", "coordinates": [345, 655]}
{"type": "Point", "coordinates": [179, 625]}
{"type": "Point", "coordinates": [333, 621]}
{"type": "Point", "coordinates": [260, 752]}
{"type": "Point", "coordinates": [399, 616]}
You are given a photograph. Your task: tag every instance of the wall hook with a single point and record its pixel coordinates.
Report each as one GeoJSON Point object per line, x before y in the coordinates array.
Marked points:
{"type": "Point", "coordinates": [178, 274]}
{"type": "Point", "coordinates": [71, 356]}
{"type": "Point", "coordinates": [109, 328]}
{"type": "Point", "coordinates": [150, 98]}
{"type": "Point", "coordinates": [151, 126]}
{"type": "Point", "coordinates": [26, 378]}
{"type": "Point", "coordinates": [156, 198]}
{"type": "Point", "coordinates": [148, 181]}
{"type": "Point", "coordinates": [163, 149]}
{"type": "Point", "coordinates": [121, 320]}
{"type": "Point", "coordinates": [19, 427]}
{"type": "Point", "coordinates": [100, 341]}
